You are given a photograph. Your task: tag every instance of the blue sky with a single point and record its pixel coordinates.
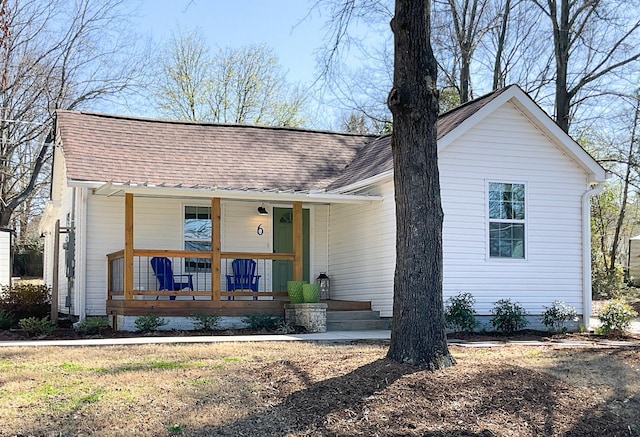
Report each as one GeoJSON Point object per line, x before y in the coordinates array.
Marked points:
{"type": "Point", "coordinates": [284, 25]}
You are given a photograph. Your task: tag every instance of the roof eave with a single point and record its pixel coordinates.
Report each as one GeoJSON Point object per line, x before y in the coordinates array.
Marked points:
{"type": "Point", "coordinates": [596, 173]}
{"type": "Point", "coordinates": [147, 190]}
{"type": "Point", "coordinates": [364, 183]}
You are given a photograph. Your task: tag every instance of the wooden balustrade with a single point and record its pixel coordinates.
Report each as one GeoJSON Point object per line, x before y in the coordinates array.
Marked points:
{"type": "Point", "coordinates": [206, 278]}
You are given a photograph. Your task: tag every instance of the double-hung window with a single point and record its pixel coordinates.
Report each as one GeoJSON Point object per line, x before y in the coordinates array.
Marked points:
{"type": "Point", "coordinates": [197, 236]}
{"type": "Point", "coordinates": [506, 220]}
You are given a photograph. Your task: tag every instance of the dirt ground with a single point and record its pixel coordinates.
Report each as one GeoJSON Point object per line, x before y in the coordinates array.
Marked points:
{"type": "Point", "coordinates": [310, 389]}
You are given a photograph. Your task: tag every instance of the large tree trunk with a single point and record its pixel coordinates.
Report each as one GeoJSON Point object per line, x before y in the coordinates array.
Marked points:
{"type": "Point", "coordinates": [561, 46]}
{"type": "Point", "coordinates": [418, 330]}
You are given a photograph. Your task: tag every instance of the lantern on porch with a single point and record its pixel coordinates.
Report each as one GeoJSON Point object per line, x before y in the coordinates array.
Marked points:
{"type": "Point", "coordinates": [323, 282]}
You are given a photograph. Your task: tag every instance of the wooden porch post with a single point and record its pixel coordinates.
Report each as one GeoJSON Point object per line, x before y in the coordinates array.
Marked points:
{"type": "Point", "coordinates": [215, 249]}
{"type": "Point", "coordinates": [297, 241]}
{"type": "Point", "coordinates": [128, 246]}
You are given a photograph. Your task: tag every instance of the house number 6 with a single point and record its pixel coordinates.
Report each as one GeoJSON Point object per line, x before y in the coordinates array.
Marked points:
{"type": "Point", "coordinates": [260, 231]}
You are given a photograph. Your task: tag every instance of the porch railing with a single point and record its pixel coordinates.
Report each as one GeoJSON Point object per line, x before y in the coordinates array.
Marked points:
{"type": "Point", "coordinates": [208, 283]}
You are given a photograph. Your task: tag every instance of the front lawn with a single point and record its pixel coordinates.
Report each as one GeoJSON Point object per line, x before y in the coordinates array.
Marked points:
{"type": "Point", "coordinates": [296, 389]}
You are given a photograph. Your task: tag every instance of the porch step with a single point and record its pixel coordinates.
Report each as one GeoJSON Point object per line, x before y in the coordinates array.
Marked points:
{"type": "Point", "coordinates": [355, 321]}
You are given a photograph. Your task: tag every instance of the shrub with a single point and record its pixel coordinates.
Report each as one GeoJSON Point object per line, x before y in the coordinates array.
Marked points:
{"type": "Point", "coordinates": [285, 327]}
{"type": "Point", "coordinates": [205, 322]}
{"type": "Point", "coordinates": [459, 313]}
{"type": "Point", "coordinates": [262, 322]}
{"type": "Point", "coordinates": [6, 319]}
{"type": "Point", "coordinates": [508, 317]}
{"type": "Point", "coordinates": [150, 322]}
{"type": "Point", "coordinates": [35, 327]}
{"type": "Point", "coordinates": [557, 315]}
{"type": "Point", "coordinates": [615, 316]}
{"type": "Point", "coordinates": [25, 300]}
{"type": "Point", "coordinates": [91, 325]}
{"type": "Point", "coordinates": [606, 284]}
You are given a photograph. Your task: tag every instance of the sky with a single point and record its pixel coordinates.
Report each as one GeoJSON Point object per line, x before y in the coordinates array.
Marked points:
{"type": "Point", "coordinates": [284, 25]}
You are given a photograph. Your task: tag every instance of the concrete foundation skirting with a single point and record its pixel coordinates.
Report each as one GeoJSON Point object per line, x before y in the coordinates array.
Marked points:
{"type": "Point", "coordinates": [128, 323]}
{"type": "Point", "coordinates": [313, 316]}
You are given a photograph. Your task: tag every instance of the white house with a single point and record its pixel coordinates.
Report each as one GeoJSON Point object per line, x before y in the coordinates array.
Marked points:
{"type": "Point", "coordinates": [5, 256]}
{"type": "Point", "coordinates": [515, 191]}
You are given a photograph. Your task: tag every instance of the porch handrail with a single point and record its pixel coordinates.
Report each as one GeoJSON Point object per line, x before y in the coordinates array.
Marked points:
{"type": "Point", "coordinates": [115, 255]}
{"type": "Point", "coordinates": [176, 253]}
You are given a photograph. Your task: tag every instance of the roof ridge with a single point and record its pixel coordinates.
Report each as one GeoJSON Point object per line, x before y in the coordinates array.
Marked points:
{"type": "Point", "coordinates": [209, 123]}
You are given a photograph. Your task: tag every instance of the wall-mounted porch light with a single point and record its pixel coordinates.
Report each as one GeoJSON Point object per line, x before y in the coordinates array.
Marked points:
{"type": "Point", "coordinates": [262, 210]}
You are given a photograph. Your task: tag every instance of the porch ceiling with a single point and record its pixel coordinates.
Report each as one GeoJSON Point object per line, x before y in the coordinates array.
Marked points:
{"type": "Point", "coordinates": [239, 193]}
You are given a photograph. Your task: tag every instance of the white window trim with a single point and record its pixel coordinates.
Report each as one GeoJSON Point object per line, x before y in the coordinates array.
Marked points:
{"type": "Point", "coordinates": [488, 256]}
{"type": "Point", "coordinates": [183, 206]}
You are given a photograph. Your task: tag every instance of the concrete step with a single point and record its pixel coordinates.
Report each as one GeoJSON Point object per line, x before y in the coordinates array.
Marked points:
{"type": "Point", "coordinates": [356, 321]}
{"type": "Point", "coordinates": [358, 325]}
{"type": "Point", "coordinates": [352, 315]}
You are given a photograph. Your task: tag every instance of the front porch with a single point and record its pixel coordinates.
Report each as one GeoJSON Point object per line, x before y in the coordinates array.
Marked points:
{"type": "Point", "coordinates": [133, 288]}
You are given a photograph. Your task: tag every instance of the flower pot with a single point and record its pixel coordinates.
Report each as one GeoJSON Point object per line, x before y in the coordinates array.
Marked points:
{"type": "Point", "coordinates": [311, 293]}
{"type": "Point", "coordinates": [294, 289]}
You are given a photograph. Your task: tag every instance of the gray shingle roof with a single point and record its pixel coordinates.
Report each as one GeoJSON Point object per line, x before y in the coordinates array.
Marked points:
{"type": "Point", "coordinates": [108, 148]}
{"type": "Point", "coordinates": [376, 157]}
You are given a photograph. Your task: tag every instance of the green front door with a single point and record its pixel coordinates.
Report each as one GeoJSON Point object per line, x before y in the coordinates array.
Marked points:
{"type": "Point", "coordinates": [283, 243]}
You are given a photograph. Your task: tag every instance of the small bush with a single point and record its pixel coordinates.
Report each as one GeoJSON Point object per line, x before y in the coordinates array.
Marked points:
{"type": "Point", "coordinates": [6, 319]}
{"type": "Point", "coordinates": [35, 327]}
{"type": "Point", "coordinates": [150, 322]}
{"type": "Point", "coordinates": [615, 317]}
{"type": "Point", "coordinates": [262, 321]}
{"type": "Point", "coordinates": [508, 317]}
{"type": "Point", "coordinates": [285, 327]}
{"type": "Point", "coordinates": [91, 325]}
{"type": "Point", "coordinates": [606, 284]}
{"type": "Point", "coordinates": [25, 300]}
{"type": "Point", "coordinates": [557, 315]}
{"type": "Point", "coordinates": [205, 322]}
{"type": "Point", "coordinates": [459, 313]}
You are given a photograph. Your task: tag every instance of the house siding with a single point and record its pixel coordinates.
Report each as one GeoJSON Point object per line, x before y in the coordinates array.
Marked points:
{"type": "Point", "coordinates": [62, 203]}
{"type": "Point", "coordinates": [5, 257]}
{"type": "Point", "coordinates": [362, 251]}
{"type": "Point", "coordinates": [158, 224]}
{"type": "Point", "coordinates": [554, 186]}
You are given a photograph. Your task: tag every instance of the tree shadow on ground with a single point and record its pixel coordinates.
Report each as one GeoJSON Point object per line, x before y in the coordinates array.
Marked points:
{"type": "Point", "coordinates": [390, 399]}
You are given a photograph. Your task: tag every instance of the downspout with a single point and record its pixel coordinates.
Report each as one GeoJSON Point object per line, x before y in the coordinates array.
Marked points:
{"type": "Point", "coordinates": [586, 252]}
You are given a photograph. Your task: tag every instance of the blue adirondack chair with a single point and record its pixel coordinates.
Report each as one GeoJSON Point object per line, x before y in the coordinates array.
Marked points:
{"type": "Point", "coordinates": [244, 276]}
{"type": "Point", "coordinates": [166, 279]}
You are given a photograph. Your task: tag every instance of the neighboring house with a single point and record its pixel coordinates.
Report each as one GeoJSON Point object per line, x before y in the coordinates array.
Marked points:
{"type": "Point", "coordinates": [515, 194]}
{"type": "Point", "coordinates": [5, 256]}
{"type": "Point", "coordinates": [633, 261]}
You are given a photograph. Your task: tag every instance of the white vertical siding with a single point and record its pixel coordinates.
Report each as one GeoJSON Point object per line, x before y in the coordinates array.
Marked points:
{"type": "Point", "coordinates": [362, 251]}
{"type": "Point", "coordinates": [505, 147]}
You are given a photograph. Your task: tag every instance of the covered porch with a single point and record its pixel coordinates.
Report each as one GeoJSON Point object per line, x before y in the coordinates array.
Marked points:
{"type": "Point", "coordinates": [133, 288]}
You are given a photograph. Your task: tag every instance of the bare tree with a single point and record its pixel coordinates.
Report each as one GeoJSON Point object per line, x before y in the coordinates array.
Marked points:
{"type": "Point", "coordinates": [417, 333]}
{"type": "Point", "coordinates": [418, 328]}
{"type": "Point", "coordinates": [244, 85]}
{"type": "Point", "coordinates": [184, 80]}
{"type": "Point", "coordinates": [464, 24]}
{"type": "Point", "coordinates": [592, 40]}
{"type": "Point", "coordinates": [54, 54]}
